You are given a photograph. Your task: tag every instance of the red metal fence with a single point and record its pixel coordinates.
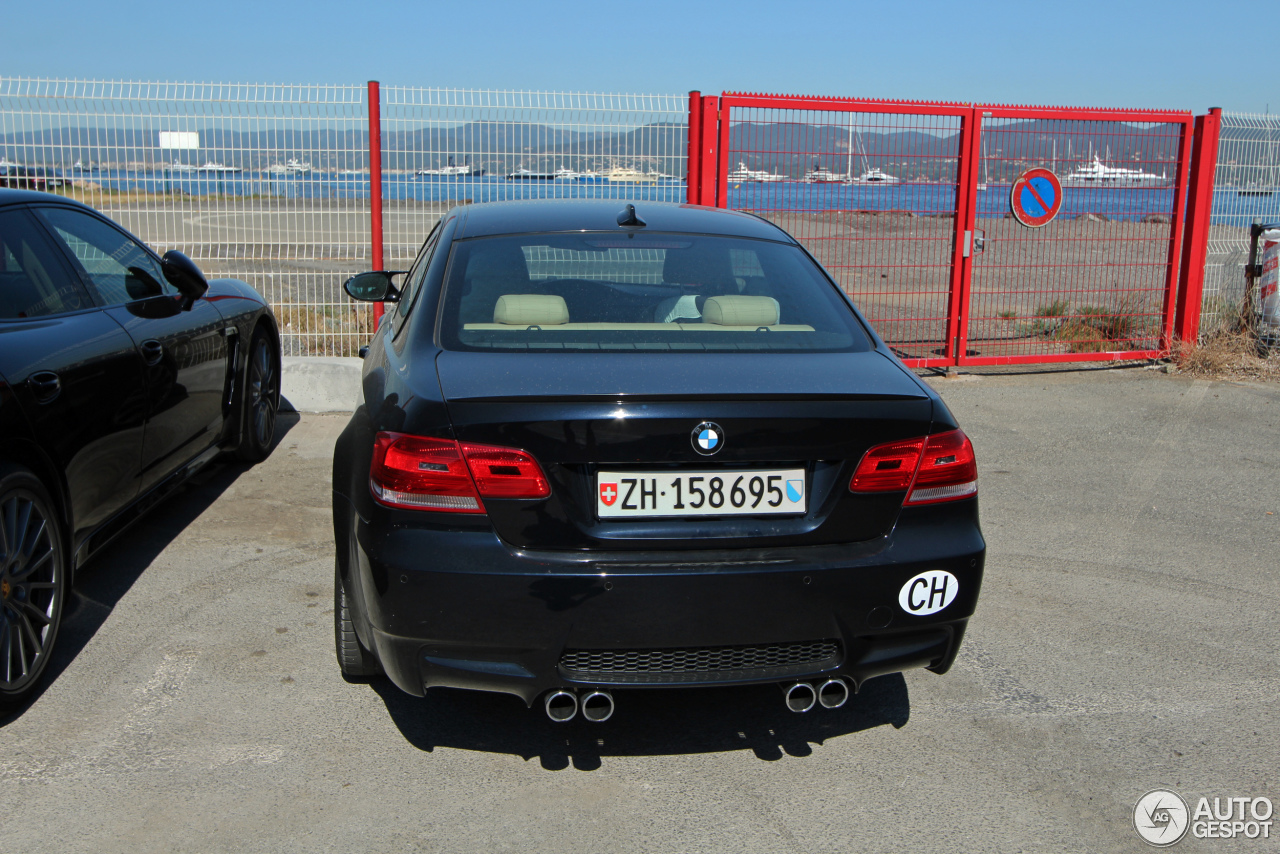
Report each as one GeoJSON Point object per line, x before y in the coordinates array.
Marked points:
{"type": "Point", "coordinates": [907, 204]}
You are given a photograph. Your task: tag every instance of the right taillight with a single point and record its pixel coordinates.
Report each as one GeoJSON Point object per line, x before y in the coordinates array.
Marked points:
{"type": "Point", "coordinates": [425, 473]}
{"type": "Point", "coordinates": [933, 468]}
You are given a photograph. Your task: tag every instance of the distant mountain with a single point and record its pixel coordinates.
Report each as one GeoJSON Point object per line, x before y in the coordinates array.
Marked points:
{"type": "Point", "coordinates": [1007, 148]}
{"type": "Point", "coordinates": [494, 146]}
{"type": "Point", "coordinates": [500, 146]}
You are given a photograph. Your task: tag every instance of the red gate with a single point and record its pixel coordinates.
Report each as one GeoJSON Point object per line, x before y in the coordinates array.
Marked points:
{"type": "Point", "coordinates": [907, 205]}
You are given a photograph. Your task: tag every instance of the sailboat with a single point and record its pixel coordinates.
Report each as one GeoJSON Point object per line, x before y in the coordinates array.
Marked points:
{"type": "Point", "coordinates": [869, 175]}
{"type": "Point", "coordinates": [1254, 189]}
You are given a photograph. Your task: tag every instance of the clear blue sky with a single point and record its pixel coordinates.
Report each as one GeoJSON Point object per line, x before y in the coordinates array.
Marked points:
{"type": "Point", "coordinates": [1171, 54]}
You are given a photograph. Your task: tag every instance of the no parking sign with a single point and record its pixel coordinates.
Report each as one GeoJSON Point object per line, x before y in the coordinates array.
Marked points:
{"type": "Point", "coordinates": [1036, 197]}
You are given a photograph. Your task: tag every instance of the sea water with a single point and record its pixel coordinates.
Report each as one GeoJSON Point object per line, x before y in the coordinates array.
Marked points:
{"type": "Point", "coordinates": [1116, 203]}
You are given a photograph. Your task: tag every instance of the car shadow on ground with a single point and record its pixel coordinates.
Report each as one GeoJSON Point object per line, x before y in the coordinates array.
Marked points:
{"type": "Point", "coordinates": [104, 581]}
{"type": "Point", "coordinates": [645, 723]}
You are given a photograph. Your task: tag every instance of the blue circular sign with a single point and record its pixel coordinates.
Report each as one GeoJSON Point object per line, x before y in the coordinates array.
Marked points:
{"type": "Point", "coordinates": [1036, 197]}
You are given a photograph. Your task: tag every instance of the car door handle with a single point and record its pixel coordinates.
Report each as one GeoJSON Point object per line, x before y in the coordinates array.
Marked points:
{"type": "Point", "coordinates": [45, 386]}
{"type": "Point", "coordinates": [152, 351]}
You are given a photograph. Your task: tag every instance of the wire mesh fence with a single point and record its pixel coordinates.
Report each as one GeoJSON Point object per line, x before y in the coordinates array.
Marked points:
{"type": "Point", "coordinates": [255, 182]}
{"type": "Point", "coordinates": [872, 195]}
{"type": "Point", "coordinates": [1096, 279]}
{"type": "Point", "coordinates": [445, 147]}
{"type": "Point", "coordinates": [1246, 189]}
{"type": "Point", "coordinates": [271, 183]}
{"type": "Point", "coordinates": [934, 257]}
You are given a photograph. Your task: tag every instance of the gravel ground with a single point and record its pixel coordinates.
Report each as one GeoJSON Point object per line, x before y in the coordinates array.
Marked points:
{"type": "Point", "coordinates": [1125, 640]}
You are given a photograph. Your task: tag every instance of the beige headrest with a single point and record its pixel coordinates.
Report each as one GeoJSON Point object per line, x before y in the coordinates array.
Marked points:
{"type": "Point", "coordinates": [530, 310]}
{"type": "Point", "coordinates": [738, 310]}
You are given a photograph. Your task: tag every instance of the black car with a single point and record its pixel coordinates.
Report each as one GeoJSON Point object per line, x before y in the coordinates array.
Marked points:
{"type": "Point", "coordinates": [121, 374]}
{"type": "Point", "coordinates": [650, 447]}
{"type": "Point", "coordinates": [20, 177]}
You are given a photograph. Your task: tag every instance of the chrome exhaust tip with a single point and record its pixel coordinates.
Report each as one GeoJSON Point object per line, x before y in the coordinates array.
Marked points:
{"type": "Point", "coordinates": [801, 697]}
{"type": "Point", "coordinates": [597, 706]}
{"type": "Point", "coordinates": [561, 706]}
{"type": "Point", "coordinates": [833, 693]}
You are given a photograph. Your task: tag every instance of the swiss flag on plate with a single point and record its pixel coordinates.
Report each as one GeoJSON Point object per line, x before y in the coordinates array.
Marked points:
{"type": "Point", "coordinates": [608, 493]}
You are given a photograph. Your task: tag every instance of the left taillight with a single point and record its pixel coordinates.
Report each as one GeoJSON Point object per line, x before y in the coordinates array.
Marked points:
{"type": "Point", "coordinates": [940, 467]}
{"type": "Point", "coordinates": [424, 473]}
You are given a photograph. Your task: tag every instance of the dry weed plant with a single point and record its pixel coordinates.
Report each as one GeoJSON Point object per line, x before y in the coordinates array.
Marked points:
{"type": "Point", "coordinates": [324, 330]}
{"type": "Point", "coordinates": [1228, 354]}
{"type": "Point", "coordinates": [1231, 351]}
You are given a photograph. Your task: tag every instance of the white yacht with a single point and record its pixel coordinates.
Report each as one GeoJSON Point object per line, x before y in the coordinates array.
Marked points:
{"type": "Point", "coordinates": [875, 176]}
{"type": "Point", "coordinates": [292, 167]}
{"type": "Point", "coordinates": [1097, 174]}
{"type": "Point", "coordinates": [824, 176]}
{"type": "Point", "coordinates": [210, 166]}
{"type": "Point", "coordinates": [523, 174]}
{"type": "Point", "coordinates": [179, 166]}
{"type": "Point", "coordinates": [628, 175]}
{"type": "Point", "coordinates": [759, 176]}
{"type": "Point", "coordinates": [452, 171]}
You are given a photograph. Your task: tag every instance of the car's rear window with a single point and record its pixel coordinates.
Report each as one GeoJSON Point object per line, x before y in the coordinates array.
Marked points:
{"type": "Point", "coordinates": [611, 291]}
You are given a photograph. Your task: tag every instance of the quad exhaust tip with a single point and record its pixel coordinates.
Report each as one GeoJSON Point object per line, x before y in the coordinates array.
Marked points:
{"type": "Point", "coordinates": [801, 697]}
{"type": "Point", "coordinates": [562, 706]}
{"type": "Point", "coordinates": [597, 706]}
{"type": "Point", "coordinates": [833, 694]}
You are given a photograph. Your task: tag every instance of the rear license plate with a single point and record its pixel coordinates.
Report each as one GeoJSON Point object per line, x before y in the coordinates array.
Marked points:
{"type": "Point", "coordinates": [700, 493]}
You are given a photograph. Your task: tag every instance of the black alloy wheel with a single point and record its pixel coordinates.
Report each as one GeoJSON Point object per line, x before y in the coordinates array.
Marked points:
{"type": "Point", "coordinates": [261, 399]}
{"type": "Point", "coordinates": [33, 579]}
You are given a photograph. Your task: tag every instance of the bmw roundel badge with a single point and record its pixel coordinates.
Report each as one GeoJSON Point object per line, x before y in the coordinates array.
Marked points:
{"type": "Point", "coordinates": [707, 438]}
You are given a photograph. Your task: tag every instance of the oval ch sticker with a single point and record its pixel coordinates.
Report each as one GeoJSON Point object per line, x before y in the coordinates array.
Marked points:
{"type": "Point", "coordinates": [929, 592]}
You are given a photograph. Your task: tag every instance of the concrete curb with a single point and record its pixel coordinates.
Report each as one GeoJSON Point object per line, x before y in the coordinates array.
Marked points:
{"type": "Point", "coordinates": [320, 383]}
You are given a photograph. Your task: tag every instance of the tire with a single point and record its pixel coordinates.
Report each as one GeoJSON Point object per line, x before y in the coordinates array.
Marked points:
{"type": "Point", "coordinates": [356, 662]}
{"type": "Point", "coordinates": [33, 581]}
{"type": "Point", "coordinates": [259, 399]}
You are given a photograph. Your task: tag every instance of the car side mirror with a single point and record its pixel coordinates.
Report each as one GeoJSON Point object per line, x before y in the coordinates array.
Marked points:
{"type": "Point", "coordinates": [184, 275]}
{"type": "Point", "coordinates": [373, 287]}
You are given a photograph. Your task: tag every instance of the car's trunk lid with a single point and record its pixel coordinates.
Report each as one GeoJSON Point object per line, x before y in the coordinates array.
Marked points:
{"type": "Point", "coordinates": [580, 412]}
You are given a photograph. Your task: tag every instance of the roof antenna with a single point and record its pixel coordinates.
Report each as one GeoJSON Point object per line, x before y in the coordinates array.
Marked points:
{"type": "Point", "coordinates": [628, 216]}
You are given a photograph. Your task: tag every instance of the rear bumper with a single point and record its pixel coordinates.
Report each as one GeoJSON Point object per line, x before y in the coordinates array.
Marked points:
{"type": "Point", "coordinates": [459, 608]}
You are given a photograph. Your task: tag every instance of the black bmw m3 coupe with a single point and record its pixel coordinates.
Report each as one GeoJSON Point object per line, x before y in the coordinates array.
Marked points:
{"type": "Point", "coordinates": [604, 446]}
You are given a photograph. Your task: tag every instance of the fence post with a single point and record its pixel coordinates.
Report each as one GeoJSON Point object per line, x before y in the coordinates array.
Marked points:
{"type": "Point", "coordinates": [968, 166]}
{"type": "Point", "coordinates": [375, 184]}
{"type": "Point", "coordinates": [691, 176]}
{"type": "Point", "coordinates": [709, 169]}
{"type": "Point", "coordinates": [1195, 246]}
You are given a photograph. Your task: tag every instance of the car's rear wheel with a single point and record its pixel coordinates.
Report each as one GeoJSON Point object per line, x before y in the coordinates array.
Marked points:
{"type": "Point", "coordinates": [33, 580]}
{"type": "Point", "coordinates": [356, 661]}
{"type": "Point", "coordinates": [260, 399]}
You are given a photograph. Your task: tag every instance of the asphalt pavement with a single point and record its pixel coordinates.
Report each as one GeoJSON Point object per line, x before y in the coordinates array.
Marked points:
{"type": "Point", "coordinates": [1126, 640]}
